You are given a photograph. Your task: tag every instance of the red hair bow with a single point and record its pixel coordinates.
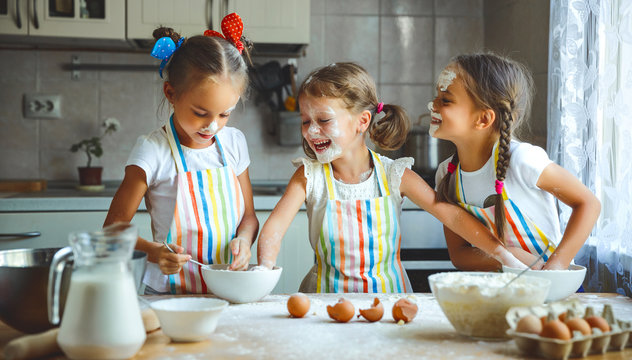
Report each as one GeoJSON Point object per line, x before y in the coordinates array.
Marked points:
{"type": "Point", "coordinates": [232, 27]}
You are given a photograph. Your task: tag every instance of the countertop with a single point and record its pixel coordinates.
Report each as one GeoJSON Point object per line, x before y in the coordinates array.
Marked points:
{"type": "Point", "coordinates": [263, 330]}
{"type": "Point", "coordinates": [64, 196]}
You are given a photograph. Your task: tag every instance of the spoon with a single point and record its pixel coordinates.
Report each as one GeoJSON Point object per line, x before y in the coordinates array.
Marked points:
{"type": "Point", "coordinates": [525, 270]}
{"type": "Point", "coordinates": [191, 260]}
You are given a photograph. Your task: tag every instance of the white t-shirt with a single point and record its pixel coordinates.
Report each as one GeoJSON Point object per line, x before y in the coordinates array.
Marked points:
{"type": "Point", "coordinates": [525, 167]}
{"type": "Point", "coordinates": [153, 154]}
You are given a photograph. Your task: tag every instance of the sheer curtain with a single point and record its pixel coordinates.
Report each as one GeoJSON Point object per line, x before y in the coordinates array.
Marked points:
{"type": "Point", "coordinates": [590, 126]}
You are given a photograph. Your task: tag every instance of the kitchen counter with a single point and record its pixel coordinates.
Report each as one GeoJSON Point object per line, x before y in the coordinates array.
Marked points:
{"type": "Point", "coordinates": [263, 330]}
{"type": "Point", "coordinates": [63, 196]}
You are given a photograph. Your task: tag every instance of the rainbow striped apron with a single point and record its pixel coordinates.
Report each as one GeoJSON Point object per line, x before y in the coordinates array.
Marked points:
{"type": "Point", "coordinates": [520, 231]}
{"type": "Point", "coordinates": [359, 243]}
{"type": "Point", "coordinates": [209, 208]}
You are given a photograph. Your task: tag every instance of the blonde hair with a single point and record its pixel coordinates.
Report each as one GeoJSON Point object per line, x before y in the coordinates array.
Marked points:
{"type": "Point", "coordinates": [350, 83]}
{"type": "Point", "coordinates": [506, 87]}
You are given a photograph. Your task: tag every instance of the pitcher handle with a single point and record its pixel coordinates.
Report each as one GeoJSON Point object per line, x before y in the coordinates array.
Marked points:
{"type": "Point", "coordinates": [54, 282]}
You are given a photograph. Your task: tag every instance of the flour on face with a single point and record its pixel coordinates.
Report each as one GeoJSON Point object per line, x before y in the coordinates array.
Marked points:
{"type": "Point", "coordinates": [445, 79]}
{"type": "Point", "coordinates": [435, 121]}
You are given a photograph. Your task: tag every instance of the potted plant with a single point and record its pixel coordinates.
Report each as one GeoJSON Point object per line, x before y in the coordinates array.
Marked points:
{"type": "Point", "coordinates": [91, 175]}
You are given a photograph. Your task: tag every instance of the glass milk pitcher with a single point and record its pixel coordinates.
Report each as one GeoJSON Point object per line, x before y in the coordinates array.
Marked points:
{"type": "Point", "coordinates": [101, 318]}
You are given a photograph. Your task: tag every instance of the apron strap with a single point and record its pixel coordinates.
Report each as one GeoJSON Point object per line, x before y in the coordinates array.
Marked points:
{"type": "Point", "coordinates": [380, 175]}
{"type": "Point", "coordinates": [176, 148]}
{"type": "Point", "coordinates": [460, 191]}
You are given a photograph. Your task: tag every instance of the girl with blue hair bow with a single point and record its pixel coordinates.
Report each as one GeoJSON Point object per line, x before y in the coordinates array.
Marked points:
{"type": "Point", "coordinates": [193, 171]}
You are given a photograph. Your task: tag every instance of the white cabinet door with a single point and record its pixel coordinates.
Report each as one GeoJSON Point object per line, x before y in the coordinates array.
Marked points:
{"type": "Point", "coordinates": [273, 21]}
{"type": "Point", "coordinates": [296, 256]}
{"type": "Point", "coordinates": [55, 227]}
{"type": "Point", "coordinates": [187, 17]}
{"type": "Point", "coordinates": [13, 17]}
{"type": "Point", "coordinates": [103, 19]}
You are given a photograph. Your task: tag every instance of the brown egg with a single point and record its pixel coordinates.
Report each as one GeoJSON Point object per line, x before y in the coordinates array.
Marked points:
{"type": "Point", "coordinates": [298, 305]}
{"type": "Point", "coordinates": [342, 311]}
{"type": "Point", "coordinates": [404, 310]}
{"type": "Point", "coordinates": [578, 324]}
{"type": "Point", "coordinates": [529, 324]}
{"type": "Point", "coordinates": [562, 316]}
{"type": "Point", "coordinates": [598, 322]}
{"type": "Point", "coordinates": [556, 329]}
{"type": "Point", "coordinates": [374, 313]}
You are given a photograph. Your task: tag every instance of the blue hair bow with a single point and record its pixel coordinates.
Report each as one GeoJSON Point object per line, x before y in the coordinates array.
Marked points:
{"type": "Point", "coordinates": [164, 49]}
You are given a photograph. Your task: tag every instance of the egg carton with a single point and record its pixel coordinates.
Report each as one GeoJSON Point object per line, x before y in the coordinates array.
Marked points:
{"type": "Point", "coordinates": [579, 345]}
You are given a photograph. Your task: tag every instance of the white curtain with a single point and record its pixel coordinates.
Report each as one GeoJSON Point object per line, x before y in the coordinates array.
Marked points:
{"type": "Point", "coordinates": [590, 126]}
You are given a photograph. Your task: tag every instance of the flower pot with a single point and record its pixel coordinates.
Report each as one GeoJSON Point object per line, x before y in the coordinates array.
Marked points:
{"type": "Point", "coordinates": [90, 175]}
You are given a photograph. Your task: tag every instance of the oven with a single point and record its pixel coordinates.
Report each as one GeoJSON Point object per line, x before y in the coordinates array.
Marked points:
{"type": "Point", "coordinates": [423, 248]}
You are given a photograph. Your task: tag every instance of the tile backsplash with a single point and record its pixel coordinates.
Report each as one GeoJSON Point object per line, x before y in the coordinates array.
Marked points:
{"type": "Point", "coordinates": [403, 45]}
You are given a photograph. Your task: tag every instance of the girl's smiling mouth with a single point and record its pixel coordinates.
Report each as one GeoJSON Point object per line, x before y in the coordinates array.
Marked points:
{"type": "Point", "coordinates": [206, 136]}
{"type": "Point", "coordinates": [321, 145]}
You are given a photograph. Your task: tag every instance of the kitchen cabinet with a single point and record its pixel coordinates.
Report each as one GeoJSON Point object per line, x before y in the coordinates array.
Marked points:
{"type": "Point", "coordinates": [273, 21]}
{"type": "Point", "coordinates": [187, 17]}
{"type": "Point", "coordinates": [104, 19]}
{"type": "Point", "coordinates": [265, 21]}
{"type": "Point", "coordinates": [55, 226]}
{"type": "Point", "coordinates": [296, 256]}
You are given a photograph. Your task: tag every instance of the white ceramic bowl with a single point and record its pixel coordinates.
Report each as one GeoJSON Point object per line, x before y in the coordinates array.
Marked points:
{"type": "Point", "coordinates": [240, 286]}
{"type": "Point", "coordinates": [188, 319]}
{"type": "Point", "coordinates": [475, 303]}
{"type": "Point", "coordinates": [563, 282]}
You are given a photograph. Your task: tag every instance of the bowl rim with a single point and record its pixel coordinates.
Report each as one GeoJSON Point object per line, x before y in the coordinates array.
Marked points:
{"type": "Point", "coordinates": [213, 304]}
{"type": "Point", "coordinates": [433, 277]}
{"type": "Point", "coordinates": [572, 268]}
{"type": "Point", "coordinates": [223, 268]}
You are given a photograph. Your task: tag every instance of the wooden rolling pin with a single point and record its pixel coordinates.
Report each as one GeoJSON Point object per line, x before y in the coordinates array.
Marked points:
{"type": "Point", "coordinates": [45, 344]}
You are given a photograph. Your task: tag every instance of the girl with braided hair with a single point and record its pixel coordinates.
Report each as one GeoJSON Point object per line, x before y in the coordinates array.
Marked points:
{"type": "Point", "coordinates": [481, 99]}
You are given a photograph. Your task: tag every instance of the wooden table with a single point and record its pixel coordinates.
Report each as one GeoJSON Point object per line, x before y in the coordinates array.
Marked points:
{"type": "Point", "coordinates": [264, 330]}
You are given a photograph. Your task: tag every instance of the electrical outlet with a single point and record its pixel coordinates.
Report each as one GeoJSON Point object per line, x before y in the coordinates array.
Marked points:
{"type": "Point", "coordinates": [42, 106]}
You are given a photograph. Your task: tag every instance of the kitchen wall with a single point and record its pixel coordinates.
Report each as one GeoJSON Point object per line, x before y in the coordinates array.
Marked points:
{"type": "Point", "coordinates": [402, 43]}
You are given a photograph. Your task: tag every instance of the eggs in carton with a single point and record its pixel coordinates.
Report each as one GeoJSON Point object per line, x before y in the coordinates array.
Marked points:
{"type": "Point", "coordinates": [533, 340]}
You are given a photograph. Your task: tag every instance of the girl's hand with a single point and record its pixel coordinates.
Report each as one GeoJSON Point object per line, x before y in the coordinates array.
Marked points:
{"type": "Point", "coordinates": [240, 248]}
{"type": "Point", "coordinates": [526, 257]}
{"type": "Point", "coordinates": [507, 258]}
{"type": "Point", "coordinates": [554, 263]}
{"type": "Point", "coordinates": [171, 263]}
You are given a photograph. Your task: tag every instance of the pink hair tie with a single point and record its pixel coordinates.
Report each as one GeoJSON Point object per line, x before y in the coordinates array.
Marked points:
{"type": "Point", "coordinates": [451, 168]}
{"type": "Point", "coordinates": [499, 187]}
{"type": "Point", "coordinates": [380, 107]}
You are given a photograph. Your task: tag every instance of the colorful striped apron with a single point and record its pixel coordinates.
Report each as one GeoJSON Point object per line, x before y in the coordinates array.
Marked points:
{"type": "Point", "coordinates": [209, 208]}
{"type": "Point", "coordinates": [359, 243]}
{"type": "Point", "coordinates": [520, 231]}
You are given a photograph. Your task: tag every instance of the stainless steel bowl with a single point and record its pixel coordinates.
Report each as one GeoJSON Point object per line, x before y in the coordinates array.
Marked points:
{"type": "Point", "coordinates": [24, 283]}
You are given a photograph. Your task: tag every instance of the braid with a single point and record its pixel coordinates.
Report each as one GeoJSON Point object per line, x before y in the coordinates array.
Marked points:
{"type": "Point", "coordinates": [501, 168]}
{"type": "Point", "coordinates": [443, 190]}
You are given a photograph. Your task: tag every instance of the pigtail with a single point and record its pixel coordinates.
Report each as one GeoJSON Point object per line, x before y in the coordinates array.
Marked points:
{"type": "Point", "coordinates": [390, 131]}
{"type": "Point", "coordinates": [443, 190]}
{"type": "Point", "coordinates": [248, 46]}
{"type": "Point", "coordinates": [164, 31]}
{"type": "Point", "coordinates": [501, 170]}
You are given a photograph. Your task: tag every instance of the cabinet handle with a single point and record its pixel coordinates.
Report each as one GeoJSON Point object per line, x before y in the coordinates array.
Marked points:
{"type": "Point", "coordinates": [28, 234]}
{"type": "Point", "coordinates": [17, 14]}
{"type": "Point", "coordinates": [35, 18]}
{"type": "Point", "coordinates": [209, 13]}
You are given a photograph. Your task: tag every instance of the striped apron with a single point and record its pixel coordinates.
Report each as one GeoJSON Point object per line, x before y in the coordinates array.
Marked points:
{"type": "Point", "coordinates": [520, 231]}
{"type": "Point", "coordinates": [359, 242]}
{"type": "Point", "coordinates": [209, 208]}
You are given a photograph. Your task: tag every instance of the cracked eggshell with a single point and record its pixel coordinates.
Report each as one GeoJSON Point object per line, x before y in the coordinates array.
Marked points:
{"type": "Point", "coordinates": [342, 311]}
{"type": "Point", "coordinates": [404, 310]}
{"type": "Point", "coordinates": [298, 305]}
{"type": "Point", "coordinates": [374, 313]}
